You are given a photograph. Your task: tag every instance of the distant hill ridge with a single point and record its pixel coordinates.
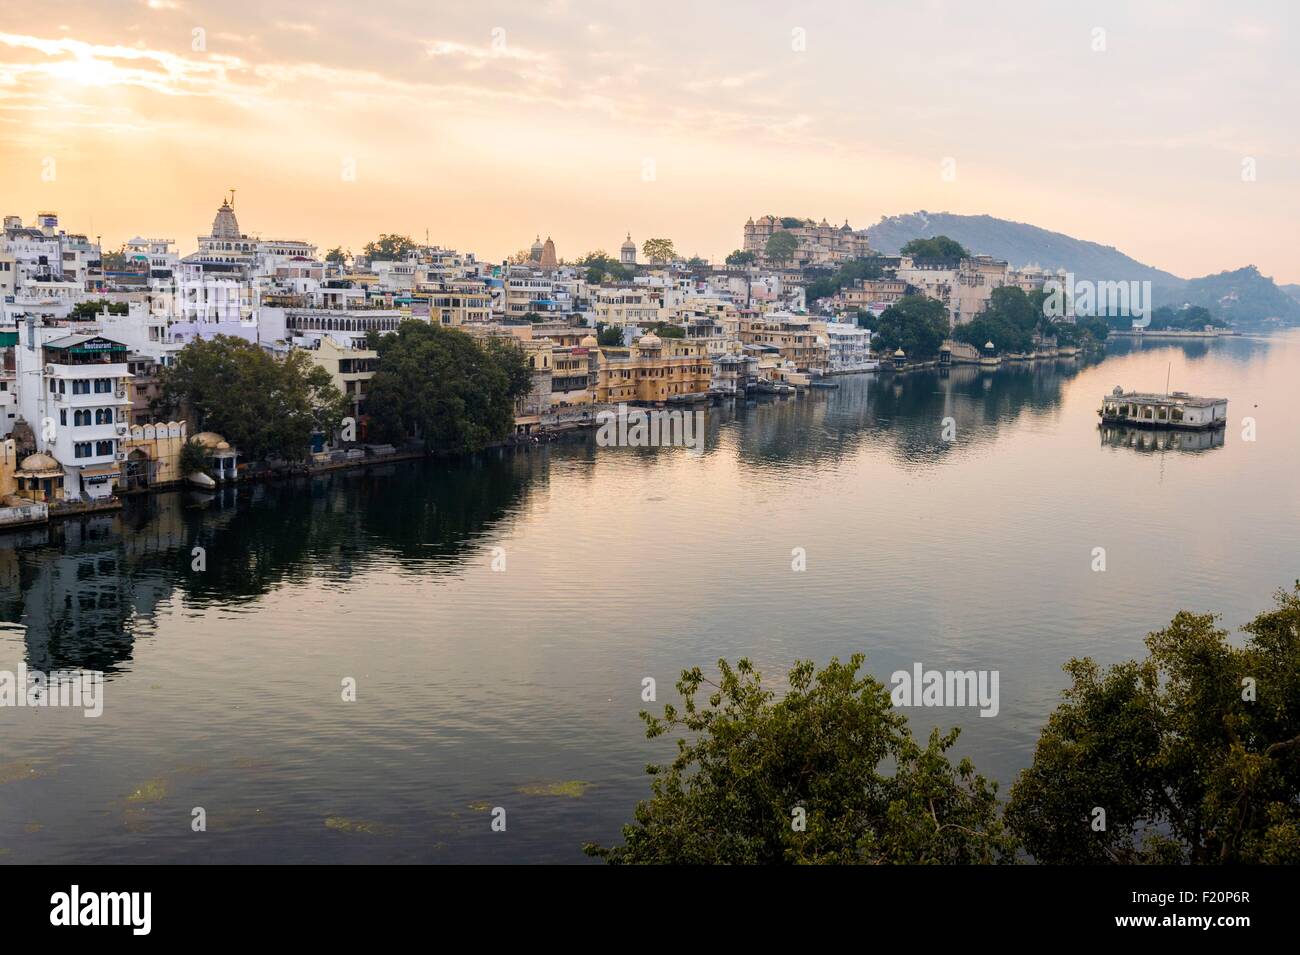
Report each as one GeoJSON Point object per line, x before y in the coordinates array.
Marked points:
{"type": "Point", "coordinates": [1243, 296]}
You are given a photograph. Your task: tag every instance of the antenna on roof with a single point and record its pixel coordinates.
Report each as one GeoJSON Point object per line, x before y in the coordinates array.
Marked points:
{"type": "Point", "coordinates": [1168, 371]}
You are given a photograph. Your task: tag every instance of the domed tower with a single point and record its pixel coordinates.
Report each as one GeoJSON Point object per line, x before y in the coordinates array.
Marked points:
{"type": "Point", "coordinates": [225, 225]}
{"type": "Point", "coordinates": [627, 252]}
{"type": "Point", "coordinates": [548, 259]}
{"type": "Point", "coordinates": [535, 253]}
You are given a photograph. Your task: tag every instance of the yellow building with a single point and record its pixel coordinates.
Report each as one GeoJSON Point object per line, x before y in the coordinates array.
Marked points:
{"type": "Point", "coordinates": [457, 302]}
{"type": "Point", "coordinates": [39, 478]}
{"type": "Point", "coordinates": [652, 371]}
{"type": "Point", "coordinates": [796, 339]}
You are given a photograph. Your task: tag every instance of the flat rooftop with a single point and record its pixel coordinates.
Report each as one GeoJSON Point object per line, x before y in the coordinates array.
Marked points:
{"type": "Point", "coordinates": [1174, 398]}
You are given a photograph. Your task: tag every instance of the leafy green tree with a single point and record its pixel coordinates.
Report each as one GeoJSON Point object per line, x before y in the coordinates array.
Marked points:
{"type": "Point", "coordinates": [1193, 753]}
{"type": "Point", "coordinates": [792, 222]}
{"type": "Point", "coordinates": [938, 247]}
{"type": "Point", "coordinates": [1186, 318]}
{"type": "Point", "coordinates": [1009, 321]}
{"type": "Point", "coordinates": [336, 256]}
{"type": "Point", "coordinates": [85, 311]}
{"type": "Point", "coordinates": [444, 387]}
{"type": "Point", "coordinates": [781, 246]}
{"type": "Point", "coordinates": [609, 336]}
{"type": "Point", "coordinates": [826, 286]}
{"type": "Point", "coordinates": [741, 257]}
{"type": "Point", "coordinates": [668, 330]}
{"type": "Point", "coordinates": [389, 247]}
{"type": "Point", "coordinates": [659, 250]}
{"type": "Point", "coordinates": [1095, 328]}
{"type": "Point", "coordinates": [193, 459]}
{"type": "Point", "coordinates": [263, 405]}
{"type": "Point", "coordinates": [834, 751]}
{"type": "Point", "coordinates": [115, 260]}
{"type": "Point", "coordinates": [915, 323]}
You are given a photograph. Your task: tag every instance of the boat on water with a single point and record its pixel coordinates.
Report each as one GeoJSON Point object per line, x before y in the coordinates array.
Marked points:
{"type": "Point", "coordinates": [1177, 410]}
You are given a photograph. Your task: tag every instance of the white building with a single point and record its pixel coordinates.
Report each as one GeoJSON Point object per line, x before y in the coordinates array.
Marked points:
{"type": "Point", "coordinates": [850, 348]}
{"type": "Point", "coordinates": [72, 390]}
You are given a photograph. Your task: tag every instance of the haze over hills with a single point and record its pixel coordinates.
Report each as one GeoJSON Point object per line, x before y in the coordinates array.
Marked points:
{"type": "Point", "coordinates": [1019, 243]}
{"type": "Point", "coordinates": [1242, 296]}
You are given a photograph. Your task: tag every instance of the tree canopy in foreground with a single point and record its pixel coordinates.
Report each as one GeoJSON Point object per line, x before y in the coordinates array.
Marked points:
{"type": "Point", "coordinates": [1189, 756]}
{"type": "Point", "coordinates": [1193, 754]}
{"type": "Point", "coordinates": [828, 773]}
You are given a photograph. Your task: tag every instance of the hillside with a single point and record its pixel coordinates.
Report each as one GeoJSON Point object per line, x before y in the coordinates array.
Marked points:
{"type": "Point", "coordinates": [1242, 296]}
{"type": "Point", "coordinates": [1019, 243]}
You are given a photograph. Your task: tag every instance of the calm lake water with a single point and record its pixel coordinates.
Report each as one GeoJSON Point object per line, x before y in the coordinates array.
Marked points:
{"type": "Point", "coordinates": [521, 688]}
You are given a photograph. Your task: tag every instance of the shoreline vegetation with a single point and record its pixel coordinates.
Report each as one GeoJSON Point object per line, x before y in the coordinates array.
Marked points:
{"type": "Point", "coordinates": [1189, 756]}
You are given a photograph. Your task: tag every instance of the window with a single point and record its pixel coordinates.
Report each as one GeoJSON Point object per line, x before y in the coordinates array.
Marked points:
{"type": "Point", "coordinates": [79, 387]}
{"type": "Point", "coordinates": [103, 447]}
{"type": "Point", "coordinates": [63, 417]}
{"type": "Point", "coordinates": [103, 385]}
{"type": "Point", "coordinates": [81, 449]}
{"type": "Point", "coordinates": [80, 418]}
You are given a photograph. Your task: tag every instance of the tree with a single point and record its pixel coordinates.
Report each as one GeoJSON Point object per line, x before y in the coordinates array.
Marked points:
{"type": "Point", "coordinates": [742, 258]}
{"type": "Point", "coordinates": [781, 246]}
{"type": "Point", "coordinates": [659, 251]}
{"type": "Point", "coordinates": [336, 256]}
{"type": "Point", "coordinates": [388, 247]}
{"type": "Point", "coordinates": [609, 336]}
{"type": "Point", "coordinates": [1095, 328]}
{"type": "Point", "coordinates": [85, 311]}
{"type": "Point", "coordinates": [1009, 321]}
{"type": "Point", "coordinates": [444, 387]}
{"type": "Point", "coordinates": [938, 247]}
{"type": "Point", "coordinates": [668, 330]}
{"type": "Point", "coordinates": [193, 459]}
{"type": "Point", "coordinates": [263, 405]}
{"type": "Point", "coordinates": [916, 324]}
{"type": "Point", "coordinates": [115, 261]}
{"type": "Point", "coordinates": [848, 273]}
{"type": "Point", "coordinates": [1193, 754]}
{"type": "Point", "coordinates": [829, 773]}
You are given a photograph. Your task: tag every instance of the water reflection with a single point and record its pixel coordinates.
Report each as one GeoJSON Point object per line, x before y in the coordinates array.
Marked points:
{"type": "Point", "coordinates": [903, 413]}
{"type": "Point", "coordinates": [83, 589]}
{"type": "Point", "coordinates": [1160, 439]}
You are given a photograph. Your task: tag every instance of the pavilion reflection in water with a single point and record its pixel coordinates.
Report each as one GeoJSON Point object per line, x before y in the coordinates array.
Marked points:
{"type": "Point", "coordinates": [1160, 439]}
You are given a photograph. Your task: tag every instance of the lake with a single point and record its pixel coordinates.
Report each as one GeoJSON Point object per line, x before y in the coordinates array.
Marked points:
{"type": "Point", "coordinates": [521, 687]}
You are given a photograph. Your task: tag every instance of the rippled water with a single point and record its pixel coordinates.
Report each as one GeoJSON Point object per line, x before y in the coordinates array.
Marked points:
{"type": "Point", "coordinates": [521, 688]}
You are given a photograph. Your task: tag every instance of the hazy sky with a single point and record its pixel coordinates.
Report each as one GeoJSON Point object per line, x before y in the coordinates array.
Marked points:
{"type": "Point", "coordinates": [487, 123]}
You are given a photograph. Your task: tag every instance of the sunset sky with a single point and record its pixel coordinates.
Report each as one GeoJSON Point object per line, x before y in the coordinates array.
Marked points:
{"type": "Point", "coordinates": [488, 123]}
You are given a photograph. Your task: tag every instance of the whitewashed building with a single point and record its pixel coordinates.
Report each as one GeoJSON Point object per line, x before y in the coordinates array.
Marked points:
{"type": "Point", "coordinates": [73, 391]}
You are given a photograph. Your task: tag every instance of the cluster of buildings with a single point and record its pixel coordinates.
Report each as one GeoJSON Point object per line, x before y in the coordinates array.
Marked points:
{"type": "Point", "coordinates": [84, 332]}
